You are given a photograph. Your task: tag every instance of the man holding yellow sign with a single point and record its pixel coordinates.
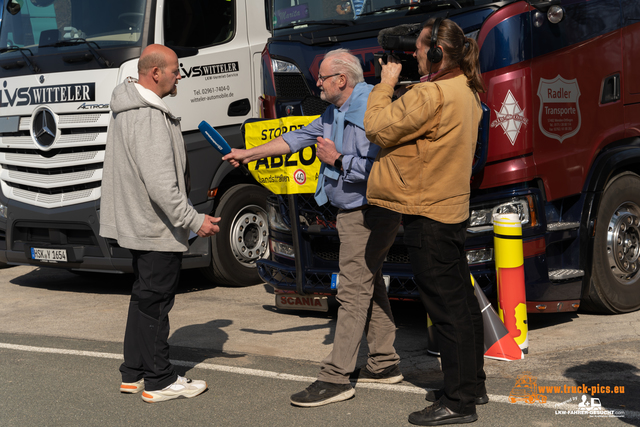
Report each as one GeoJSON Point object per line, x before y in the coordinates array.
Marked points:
{"type": "Point", "coordinates": [366, 232]}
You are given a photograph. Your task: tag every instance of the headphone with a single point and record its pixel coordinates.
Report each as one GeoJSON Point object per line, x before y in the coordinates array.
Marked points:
{"type": "Point", "coordinates": [434, 54]}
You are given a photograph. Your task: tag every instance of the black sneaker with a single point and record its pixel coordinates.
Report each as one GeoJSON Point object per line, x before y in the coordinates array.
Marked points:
{"type": "Point", "coordinates": [390, 375]}
{"type": "Point", "coordinates": [437, 415]}
{"type": "Point", "coordinates": [321, 393]}
{"type": "Point", "coordinates": [433, 395]}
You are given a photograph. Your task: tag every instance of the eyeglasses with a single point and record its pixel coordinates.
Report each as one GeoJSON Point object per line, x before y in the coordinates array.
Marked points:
{"type": "Point", "coordinates": [323, 78]}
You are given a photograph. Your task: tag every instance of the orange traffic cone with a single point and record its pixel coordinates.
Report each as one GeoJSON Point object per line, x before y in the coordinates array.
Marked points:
{"type": "Point", "coordinates": [498, 343]}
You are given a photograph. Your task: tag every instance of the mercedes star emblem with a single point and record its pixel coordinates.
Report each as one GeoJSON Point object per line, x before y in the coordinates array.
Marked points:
{"type": "Point", "coordinates": [43, 128]}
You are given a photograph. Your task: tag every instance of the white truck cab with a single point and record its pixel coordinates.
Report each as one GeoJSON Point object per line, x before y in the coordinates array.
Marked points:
{"type": "Point", "coordinates": [59, 63]}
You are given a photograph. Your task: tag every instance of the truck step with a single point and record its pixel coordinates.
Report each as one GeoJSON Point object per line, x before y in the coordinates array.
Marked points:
{"type": "Point", "coordinates": [558, 226]}
{"type": "Point", "coordinates": [565, 274]}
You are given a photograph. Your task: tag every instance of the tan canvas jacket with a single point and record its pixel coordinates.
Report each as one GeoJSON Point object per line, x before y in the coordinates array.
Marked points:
{"type": "Point", "coordinates": [428, 138]}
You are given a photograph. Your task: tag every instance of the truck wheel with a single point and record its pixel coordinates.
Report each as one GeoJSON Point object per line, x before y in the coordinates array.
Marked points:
{"type": "Point", "coordinates": [243, 236]}
{"type": "Point", "coordinates": [615, 280]}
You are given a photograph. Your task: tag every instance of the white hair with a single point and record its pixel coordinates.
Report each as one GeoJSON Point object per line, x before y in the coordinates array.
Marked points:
{"type": "Point", "coordinates": [344, 62]}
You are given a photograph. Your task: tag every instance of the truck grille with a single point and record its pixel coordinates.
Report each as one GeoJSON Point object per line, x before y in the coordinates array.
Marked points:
{"type": "Point", "coordinates": [294, 86]}
{"type": "Point", "coordinates": [402, 286]}
{"type": "Point", "coordinates": [329, 251]}
{"type": "Point", "coordinates": [68, 174]}
{"type": "Point", "coordinates": [290, 85]}
{"type": "Point", "coordinates": [313, 106]}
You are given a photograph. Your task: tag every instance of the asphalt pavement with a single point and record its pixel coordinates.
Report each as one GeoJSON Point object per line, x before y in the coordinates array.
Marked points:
{"type": "Point", "coordinates": [60, 348]}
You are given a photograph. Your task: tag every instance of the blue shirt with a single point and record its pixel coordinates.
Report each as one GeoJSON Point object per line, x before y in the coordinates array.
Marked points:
{"type": "Point", "coordinates": [350, 189]}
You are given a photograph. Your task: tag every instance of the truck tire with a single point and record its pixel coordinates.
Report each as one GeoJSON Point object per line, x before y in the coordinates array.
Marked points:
{"type": "Point", "coordinates": [615, 279]}
{"type": "Point", "coordinates": [243, 236]}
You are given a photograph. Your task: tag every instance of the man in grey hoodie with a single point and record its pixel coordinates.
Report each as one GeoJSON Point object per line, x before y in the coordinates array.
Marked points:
{"type": "Point", "coordinates": [144, 206]}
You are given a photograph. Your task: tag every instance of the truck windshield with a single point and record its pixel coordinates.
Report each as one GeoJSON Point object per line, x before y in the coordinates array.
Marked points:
{"type": "Point", "coordinates": [289, 13]}
{"type": "Point", "coordinates": [35, 24]}
{"type": "Point", "coordinates": [304, 13]}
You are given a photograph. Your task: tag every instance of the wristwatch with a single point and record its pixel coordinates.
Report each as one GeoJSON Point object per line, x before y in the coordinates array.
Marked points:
{"type": "Point", "coordinates": [338, 163]}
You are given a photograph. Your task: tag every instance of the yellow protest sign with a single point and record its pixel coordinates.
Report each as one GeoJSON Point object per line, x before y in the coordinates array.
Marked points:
{"type": "Point", "coordinates": [293, 173]}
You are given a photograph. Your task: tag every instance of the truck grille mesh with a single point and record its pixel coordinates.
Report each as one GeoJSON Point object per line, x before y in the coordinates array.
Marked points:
{"type": "Point", "coordinates": [290, 85]}
{"type": "Point", "coordinates": [284, 278]}
{"type": "Point", "coordinates": [313, 106]}
{"type": "Point", "coordinates": [67, 174]}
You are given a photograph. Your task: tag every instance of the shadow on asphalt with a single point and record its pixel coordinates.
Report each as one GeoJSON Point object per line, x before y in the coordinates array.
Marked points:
{"type": "Point", "coordinates": [544, 320]}
{"type": "Point", "coordinates": [331, 315]}
{"type": "Point", "coordinates": [55, 279]}
{"type": "Point", "coordinates": [605, 376]}
{"type": "Point", "coordinates": [215, 336]}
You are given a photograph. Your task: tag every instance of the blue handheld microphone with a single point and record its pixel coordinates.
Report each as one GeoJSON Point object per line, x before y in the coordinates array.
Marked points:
{"type": "Point", "coordinates": [218, 142]}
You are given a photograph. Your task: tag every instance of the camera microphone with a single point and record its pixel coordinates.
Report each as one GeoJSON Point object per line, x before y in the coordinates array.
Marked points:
{"type": "Point", "coordinates": [398, 40]}
{"type": "Point", "coordinates": [402, 37]}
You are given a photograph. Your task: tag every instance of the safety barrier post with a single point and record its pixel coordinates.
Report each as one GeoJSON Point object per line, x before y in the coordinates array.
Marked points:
{"type": "Point", "coordinates": [509, 260]}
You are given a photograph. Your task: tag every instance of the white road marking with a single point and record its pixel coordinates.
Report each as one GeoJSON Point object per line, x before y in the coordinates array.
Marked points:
{"type": "Point", "coordinates": [278, 375]}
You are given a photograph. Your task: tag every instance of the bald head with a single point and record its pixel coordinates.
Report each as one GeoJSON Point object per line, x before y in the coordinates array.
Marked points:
{"type": "Point", "coordinates": [158, 70]}
{"type": "Point", "coordinates": [154, 55]}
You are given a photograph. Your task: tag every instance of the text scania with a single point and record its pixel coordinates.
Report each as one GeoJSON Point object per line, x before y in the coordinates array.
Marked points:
{"type": "Point", "coordinates": [207, 70]}
{"type": "Point", "coordinates": [47, 94]}
{"type": "Point", "coordinates": [310, 301]}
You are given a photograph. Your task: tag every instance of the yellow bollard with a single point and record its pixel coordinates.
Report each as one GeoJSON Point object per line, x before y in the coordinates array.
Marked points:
{"type": "Point", "coordinates": [509, 259]}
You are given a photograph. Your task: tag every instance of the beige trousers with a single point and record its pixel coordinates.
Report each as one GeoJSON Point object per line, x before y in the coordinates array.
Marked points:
{"type": "Point", "coordinates": [365, 238]}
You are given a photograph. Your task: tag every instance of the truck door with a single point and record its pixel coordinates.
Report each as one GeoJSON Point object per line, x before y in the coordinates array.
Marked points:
{"type": "Point", "coordinates": [576, 72]}
{"type": "Point", "coordinates": [216, 82]}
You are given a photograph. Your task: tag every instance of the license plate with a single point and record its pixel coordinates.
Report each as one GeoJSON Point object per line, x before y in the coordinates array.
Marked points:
{"type": "Point", "coordinates": [49, 255]}
{"type": "Point", "coordinates": [302, 302]}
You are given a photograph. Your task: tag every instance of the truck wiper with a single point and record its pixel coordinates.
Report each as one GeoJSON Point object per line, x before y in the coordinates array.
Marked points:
{"type": "Point", "coordinates": [18, 64]}
{"type": "Point", "coordinates": [73, 42]}
{"type": "Point", "coordinates": [340, 22]}
{"type": "Point", "coordinates": [420, 5]}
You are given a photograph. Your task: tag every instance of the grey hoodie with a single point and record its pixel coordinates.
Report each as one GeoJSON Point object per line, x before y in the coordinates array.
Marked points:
{"type": "Point", "coordinates": [144, 202]}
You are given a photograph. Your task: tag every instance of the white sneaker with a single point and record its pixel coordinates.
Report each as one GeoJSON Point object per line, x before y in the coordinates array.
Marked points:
{"type": "Point", "coordinates": [132, 387]}
{"type": "Point", "coordinates": [183, 387]}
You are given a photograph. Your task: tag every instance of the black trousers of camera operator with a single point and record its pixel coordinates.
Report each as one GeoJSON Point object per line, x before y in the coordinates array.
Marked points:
{"type": "Point", "coordinates": [441, 271]}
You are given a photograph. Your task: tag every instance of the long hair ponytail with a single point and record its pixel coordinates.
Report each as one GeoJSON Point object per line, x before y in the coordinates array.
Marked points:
{"type": "Point", "coordinates": [470, 65]}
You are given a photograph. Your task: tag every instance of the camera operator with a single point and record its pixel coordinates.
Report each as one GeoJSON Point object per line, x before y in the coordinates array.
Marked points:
{"type": "Point", "coordinates": [427, 139]}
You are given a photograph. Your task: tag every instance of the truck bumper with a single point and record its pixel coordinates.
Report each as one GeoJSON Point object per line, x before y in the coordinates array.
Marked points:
{"type": "Point", "coordinates": [76, 230]}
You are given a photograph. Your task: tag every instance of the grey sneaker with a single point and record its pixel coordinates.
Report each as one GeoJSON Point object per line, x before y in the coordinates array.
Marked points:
{"type": "Point", "coordinates": [390, 375]}
{"type": "Point", "coordinates": [183, 387]}
{"type": "Point", "coordinates": [132, 387]}
{"type": "Point", "coordinates": [321, 393]}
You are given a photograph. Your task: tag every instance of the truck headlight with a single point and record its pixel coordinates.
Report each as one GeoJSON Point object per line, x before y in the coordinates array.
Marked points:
{"type": "Point", "coordinates": [279, 66]}
{"type": "Point", "coordinates": [282, 249]}
{"type": "Point", "coordinates": [479, 256]}
{"type": "Point", "coordinates": [276, 219]}
{"type": "Point", "coordinates": [4, 211]}
{"type": "Point", "coordinates": [480, 219]}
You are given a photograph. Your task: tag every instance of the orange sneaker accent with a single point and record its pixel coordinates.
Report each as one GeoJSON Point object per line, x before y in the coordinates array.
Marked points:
{"type": "Point", "coordinates": [129, 386]}
{"type": "Point", "coordinates": [147, 395]}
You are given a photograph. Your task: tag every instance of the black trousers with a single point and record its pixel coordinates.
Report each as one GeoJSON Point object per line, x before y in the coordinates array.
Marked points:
{"type": "Point", "coordinates": [146, 346]}
{"type": "Point", "coordinates": [441, 271]}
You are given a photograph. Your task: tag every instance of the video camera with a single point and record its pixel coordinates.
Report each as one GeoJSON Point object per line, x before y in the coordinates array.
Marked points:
{"type": "Point", "coordinates": [399, 40]}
